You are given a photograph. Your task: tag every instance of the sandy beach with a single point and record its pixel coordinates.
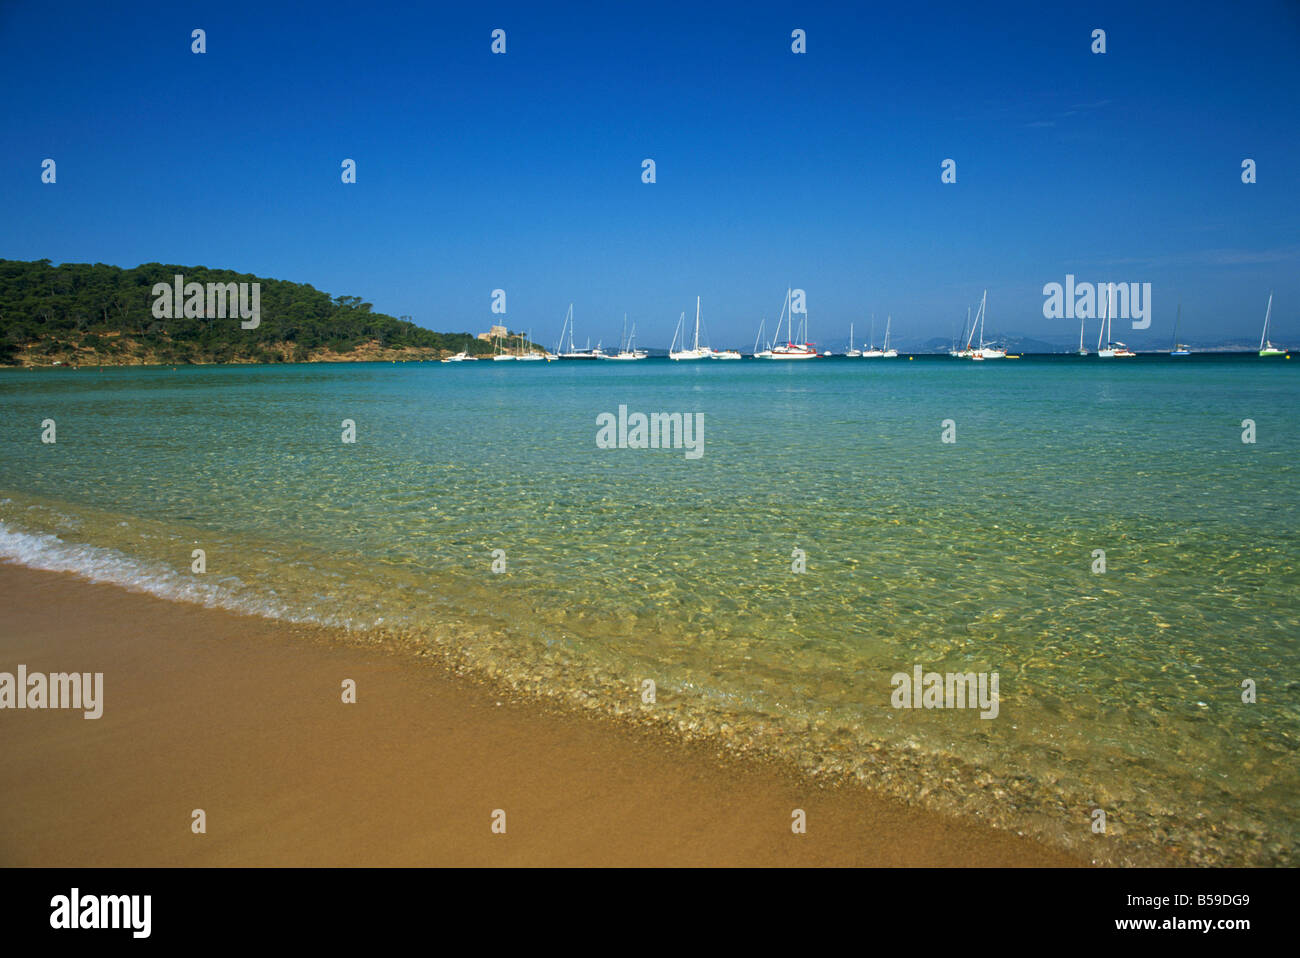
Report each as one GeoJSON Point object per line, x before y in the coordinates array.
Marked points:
{"type": "Point", "coordinates": [243, 717]}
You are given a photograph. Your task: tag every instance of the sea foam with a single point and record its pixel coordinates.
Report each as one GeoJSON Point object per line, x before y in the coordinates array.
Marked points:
{"type": "Point", "coordinates": [98, 564]}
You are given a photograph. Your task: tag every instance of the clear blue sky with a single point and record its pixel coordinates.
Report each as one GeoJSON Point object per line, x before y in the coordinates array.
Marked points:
{"type": "Point", "coordinates": [820, 170]}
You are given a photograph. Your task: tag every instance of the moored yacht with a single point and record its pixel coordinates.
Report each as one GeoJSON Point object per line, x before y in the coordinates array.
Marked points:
{"type": "Point", "coordinates": [871, 352]}
{"type": "Point", "coordinates": [532, 355]}
{"type": "Point", "coordinates": [626, 351]}
{"type": "Point", "coordinates": [501, 355]}
{"type": "Point", "coordinates": [571, 352]}
{"type": "Point", "coordinates": [1113, 349]}
{"type": "Point", "coordinates": [696, 351]}
{"type": "Point", "coordinates": [965, 351]}
{"type": "Point", "coordinates": [983, 350]}
{"type": "Point", "coordinates": [1266, 348]}
{"type": "Point", "coordinates": [1179, 349]}
{"type": "Point", "coordinates": [888, 353]}
{"type": "Point", "coordinates": [790, 349]}
{"type": "Point", "coordinates": [766, 351]}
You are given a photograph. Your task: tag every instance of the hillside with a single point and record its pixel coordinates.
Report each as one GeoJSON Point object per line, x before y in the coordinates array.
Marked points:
{"type": "Point", "coordinates": [83, 314]}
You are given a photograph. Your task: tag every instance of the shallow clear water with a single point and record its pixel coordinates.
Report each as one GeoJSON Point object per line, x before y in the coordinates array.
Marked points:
{"type": "Point", "coordinates": [1119, 691]}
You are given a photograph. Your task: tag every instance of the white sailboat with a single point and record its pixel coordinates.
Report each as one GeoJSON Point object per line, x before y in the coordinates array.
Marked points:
{"type": "Point", "coordinates": [888, 353]}
{"type": "Point", "coordinates": [695, 352]}
{"type": "Point", "coordinates": [1179, 348]}
{"type": "Point", "coordinates": [854, 353]}
{"type": "Point", "coordinates": [977, 353]}
{"type": "Point", "coordinates": [965, 351]}
{"type": "Point", "coordinates": [571, 352]}
{"type": "Point", "coordinates": [1266, 348]}
{"type": "Point", "coordinates": [1108, 352]}
{"type": "Point", "coordinates": [500, 355]}
{"type": "Point", "coordinates": [766, 351]}
{"type": "Point", "coordinates": [1115, 349]}
{"type": "Point", "coordinates": [871, 352]}
{"type": "Point", "coordinates": [532, 355]}
{"type": "Point", "coordinates": [984, 350]}
{"type": "Point", "coordinates": [790, 349]}
{"type": "Point", "coordinates": [988, 350]}
{"type": "Point", "coordinates": [1082, 350]}
{"type": "Point", "coordinates": [626, 351]}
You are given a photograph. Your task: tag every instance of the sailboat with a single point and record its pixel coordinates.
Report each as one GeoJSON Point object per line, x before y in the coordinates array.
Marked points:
{"type": "Point", "coordinates": [988, 350]}
{"type": "Point", "coordinates": [725, 354]}
{"type": "Point", "coordinates": [532, 356]}
{"type": "Point", "coordinates": [766, 351]}
{"type": "Point", "coordinates": [888, 353]}
{"type": "Point", "coordinates": [571, 352]}
{"type": "Point", "coordinates": [695, 352]}
{"type": "Point", "coordinates": [976, 353]}
{"type": "Point", "coordinates": [1179, 349]}
{"type": "Point", "coordinates": [1108, 352]}
{"type": "Point", "coordinates": [500, 355]}
{"type": "Point", "coordinates": [1113, 349]}
{"type": "Point", "coordinates": [1082, 350]}
{"type": "Point", "coordinates": [626, 352]}
{"type": "Point", "coordinates": [854, 353]}
{"type": "Point", "coordinates": [1266, 348]}
{"type": "Point", "coordinates": [965, 351]}
{"type": "Point", "coordinates": [871, 352]}
{"type": "Point", "coordinates": [984, 350]}
{"type": "Point", "coordinates": [790, 349]}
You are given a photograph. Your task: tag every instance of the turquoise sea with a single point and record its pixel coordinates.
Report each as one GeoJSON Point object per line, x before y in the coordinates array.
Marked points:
{"type": "Point", "coordinates": [1119, 691]}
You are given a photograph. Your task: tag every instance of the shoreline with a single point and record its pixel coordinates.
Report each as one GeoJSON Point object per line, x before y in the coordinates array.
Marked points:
{"type": "Point", "coordinates": [422, 355]}
{"type": "Point", "coordinates": [243, 717]}
{"type": "Point", "coordinates": [330, 359]}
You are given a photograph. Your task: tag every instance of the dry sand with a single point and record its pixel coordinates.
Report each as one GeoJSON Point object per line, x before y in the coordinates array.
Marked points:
{"type": "Point", "coordinates": [242, 717]}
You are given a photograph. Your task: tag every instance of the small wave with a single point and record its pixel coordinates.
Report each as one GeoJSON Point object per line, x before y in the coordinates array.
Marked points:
{"type": "Point", "coordinates": [49, 553]}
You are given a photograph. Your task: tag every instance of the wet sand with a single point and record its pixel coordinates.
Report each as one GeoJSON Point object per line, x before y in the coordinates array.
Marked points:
{"type": "Point", "coordinates": [243, 717]}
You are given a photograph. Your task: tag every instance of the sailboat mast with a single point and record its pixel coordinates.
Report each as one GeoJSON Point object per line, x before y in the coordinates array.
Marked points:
{"type": "Point", "coordinates": [1263, 337]}
{"type": "Point", "coordinates": [697, 324]}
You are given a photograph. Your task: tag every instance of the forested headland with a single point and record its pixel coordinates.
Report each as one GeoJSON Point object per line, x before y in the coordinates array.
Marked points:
{"type": "Point", "coordinates": [94, 314]}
